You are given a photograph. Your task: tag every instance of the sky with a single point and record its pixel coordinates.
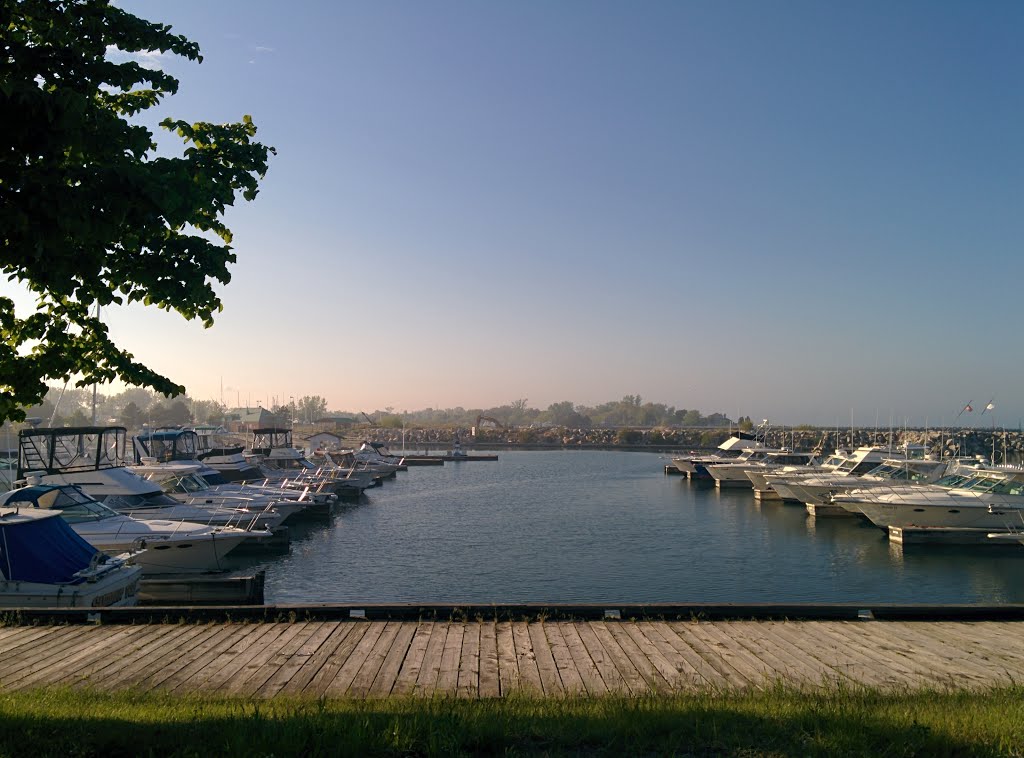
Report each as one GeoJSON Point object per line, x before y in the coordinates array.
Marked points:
{"type": "Point", "coordinates": [804, 211]}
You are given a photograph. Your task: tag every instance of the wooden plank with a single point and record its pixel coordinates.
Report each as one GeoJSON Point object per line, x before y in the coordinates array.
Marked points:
{"type": "Point", "coordinates": [526, 658]}
{"type": "Point", "coordinates": [757, 671]}
{"type": "Point", "coordinates": [631, 675]}
{"type": "Point", "coordinates": [865, 663]}
{"type": "Point", "coordinates": [798, 668]}
{"type": "Point", "coordinates": [981, 642]}
{"type": "Point", "coordinates": [508, 664]}
{"type": "Point", "coordinates": [384, 683]}
{"type": "Point", "coordinates": [549, 678]}
{"type": "Point", "coordinates": [945, 660]}
{"type": "Point", "coordinates": [90, 652]}
{"type": "Point", "coordinates": [610, 675]}
{"type": "Point", "coordinates": [282, 654]}
{"type": "Point", "coordinates": [206, 643]}
{"type": "Point", "coordinates": [295, 674]}
{"type": "Point", "coordinates": [490, 684]}
{"type": "Point", "coordinates": [268, 647]}
{"type": "Point", "coordinates": [468, 684]}
{"type": "Point", "coordinates": [709, 676]}
{"type": "Point", "coordinates": [655, 681]}
{"type": "Point", "coordinates": [1002, 638]}
{"type": "Point", "coordinates": [448, 676]}
{"type": "Point", "coordinates": [845, 660]}
{"type": "Point", "coordinates": [426, 682]}
{"type": "Point", "coordinates": [162, 654]}
{"type": "Point", "coordinates": [684, 675]}
{"type": "Point", "coordinates": [220, 665]}
{"type": "Point", "coordinates": [339, 672]}
{"type": "Point", "coordinates": [374, 659]}
{"type": "Point", "coordinates": [666, 671]}
{"type": "Point", "coordinates": [65, 641]}
{"type": "Point", "coordinates": [712, 653]}
{"type": "Point", "coordinates": [137, 655]}
{"type": "Point", "coordinates": [572, 680]}
{"type": "Point", "coordinates": [583, 664]}
{"type": "Point", "coordinates": [22, 637]}
{"type": "Point", "coordinates": [958, 653]}
{"type": "Point", "coordinates": [405, 681]}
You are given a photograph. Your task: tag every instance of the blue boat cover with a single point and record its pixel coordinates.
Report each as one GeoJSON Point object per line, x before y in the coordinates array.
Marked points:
{"type": "Point", "coordinates": [43, 550]}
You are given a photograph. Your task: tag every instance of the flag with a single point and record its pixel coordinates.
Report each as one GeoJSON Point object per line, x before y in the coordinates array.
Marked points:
{"type": "Point", "coordinates": [968, 408]}
{"type": "Point", "coordinates": [988, 407]}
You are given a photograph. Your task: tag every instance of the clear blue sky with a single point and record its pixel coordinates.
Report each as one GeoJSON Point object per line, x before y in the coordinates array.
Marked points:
{"type": "Point", "coordinates": [784, 210]}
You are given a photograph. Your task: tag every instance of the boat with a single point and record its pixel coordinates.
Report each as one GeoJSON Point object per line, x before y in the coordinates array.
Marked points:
{"type": "Point", "coordinates": [161, 546]}
{"type": "Point", "coordinates": [735, 473]}
{"type": "Point", "coordinates": [988, 499]}
{"type": "Point", "coordinates": [795, 486]}
{"type": "Point", "coordinates": [283, 464]}
{"type": "Point", "coordinates": [227, 458]}
{"type": "Point", "coordinates": [173, 445]}
{"type": "Point", "coordinates": [735, 449]}
{"type": "Point", "coordinates": [44, 564]}
{"type": "Point", "coordinates": [94, 459]}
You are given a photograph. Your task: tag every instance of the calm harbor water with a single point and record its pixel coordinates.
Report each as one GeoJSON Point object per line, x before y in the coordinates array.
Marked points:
{"type": "Point", "coordinates": [588, 526]}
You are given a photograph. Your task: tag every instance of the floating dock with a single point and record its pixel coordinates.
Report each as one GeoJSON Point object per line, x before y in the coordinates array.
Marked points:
{"type": "Point", "coordinates": [203, 589]}
{"type": "Point", "coordinates": [945, 536]}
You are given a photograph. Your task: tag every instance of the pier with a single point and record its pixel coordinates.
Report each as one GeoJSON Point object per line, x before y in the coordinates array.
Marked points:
{"type": "Point", "coordinates": [360, 655]}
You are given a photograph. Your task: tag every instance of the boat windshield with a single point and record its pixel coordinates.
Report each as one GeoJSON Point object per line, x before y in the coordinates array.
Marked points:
{"type": "Point", "coordinates": [133, 501]}
{"type": "Point", "coordinates": [74, 506]}
{"type": "Point", "coordinates": [180, 483]}
{"type": "Point", "coordinates": [994, 485]}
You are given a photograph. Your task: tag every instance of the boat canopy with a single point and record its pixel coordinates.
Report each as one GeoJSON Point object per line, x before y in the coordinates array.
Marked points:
{"type": "Point", "coordinates": [167, 445]}
{"type": "Point", "coordinates": [70, 449]}
{"type": "Point", "coordinates": [42, 548]}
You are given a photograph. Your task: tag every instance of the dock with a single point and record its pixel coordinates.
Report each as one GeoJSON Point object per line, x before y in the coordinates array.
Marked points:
{"type": "Point", "coordinates": [365, 657]}
{"type": "Point", "coordinates": [203, 589]}
{"type": "Point", "coordinates": [937, 535]}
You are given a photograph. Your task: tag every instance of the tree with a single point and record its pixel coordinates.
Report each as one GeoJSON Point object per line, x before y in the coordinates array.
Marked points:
{"type": "Point", "coordinates": [89, 214]}
{"type": "Point", "coordinates": [132, 416]}
{"type": "Point", "coordinates": [310, 408]}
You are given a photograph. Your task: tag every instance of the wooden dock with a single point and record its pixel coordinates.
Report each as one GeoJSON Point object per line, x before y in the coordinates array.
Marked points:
{"type": "Point", "coordinates": [487, 659]}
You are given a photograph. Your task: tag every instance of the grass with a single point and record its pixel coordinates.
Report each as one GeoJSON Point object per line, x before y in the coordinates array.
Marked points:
{"type": "Point", "coordinates": [778, 722]}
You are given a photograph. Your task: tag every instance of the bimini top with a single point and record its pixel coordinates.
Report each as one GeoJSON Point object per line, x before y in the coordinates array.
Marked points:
{"type": "Point", "coordinates": [38, 546]}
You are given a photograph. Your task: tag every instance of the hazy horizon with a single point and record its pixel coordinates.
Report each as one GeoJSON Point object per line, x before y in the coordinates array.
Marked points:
{"type": "Point", "coordinates": [781, 211]}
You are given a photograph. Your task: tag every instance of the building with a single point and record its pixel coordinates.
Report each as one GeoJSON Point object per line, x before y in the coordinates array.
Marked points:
{"type": "Point", "coordinates": [244, 420]}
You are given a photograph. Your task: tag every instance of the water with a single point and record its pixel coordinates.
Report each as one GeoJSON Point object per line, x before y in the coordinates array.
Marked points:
{"type": "Point", "coordinates": [588, 526]}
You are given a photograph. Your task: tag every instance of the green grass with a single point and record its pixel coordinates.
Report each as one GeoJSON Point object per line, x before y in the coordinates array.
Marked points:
{"type": "Point", "coordinates": [779, 722]}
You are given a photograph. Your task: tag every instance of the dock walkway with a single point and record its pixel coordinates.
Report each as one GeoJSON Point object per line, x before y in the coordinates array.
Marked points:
{"type": "Point", "coordinates": [474, 659]}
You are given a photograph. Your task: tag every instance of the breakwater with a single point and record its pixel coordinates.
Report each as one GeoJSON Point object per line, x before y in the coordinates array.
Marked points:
{"type": "Point", "coordinates": [999, 445]}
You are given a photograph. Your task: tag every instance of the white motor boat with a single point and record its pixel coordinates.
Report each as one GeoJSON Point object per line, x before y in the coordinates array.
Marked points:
{"type": "Point", "coordinates": [735, 474]}
{"type": "Point", "coordinates": [160, 547]}
{"type": "Point", "coordinates": [991, 500]}
{"type": "Point", "coordinates": [733, 450]}
{"type": "Point", "coordinates": [173, 445]}
{"type": "Point", "coordinates": [93, 458]}
{"type": "Point", "coordinates": [223, 455]}
{"type": "Point", "coordinates": [795, 486]}
{"type": "Point", "coordinates": [44, 564]}
{"type": "Point", "coordinates": [280, 462]}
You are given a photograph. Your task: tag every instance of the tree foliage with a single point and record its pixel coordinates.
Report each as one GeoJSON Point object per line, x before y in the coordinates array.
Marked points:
{"type": "Point", "coordinates": [89, 213]}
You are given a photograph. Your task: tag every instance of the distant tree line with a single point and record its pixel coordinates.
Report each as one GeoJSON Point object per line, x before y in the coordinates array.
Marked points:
{"type": "Point", "coordinates": [630, 411]}
{"type": "Point", "coordinates": [136, 407]}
